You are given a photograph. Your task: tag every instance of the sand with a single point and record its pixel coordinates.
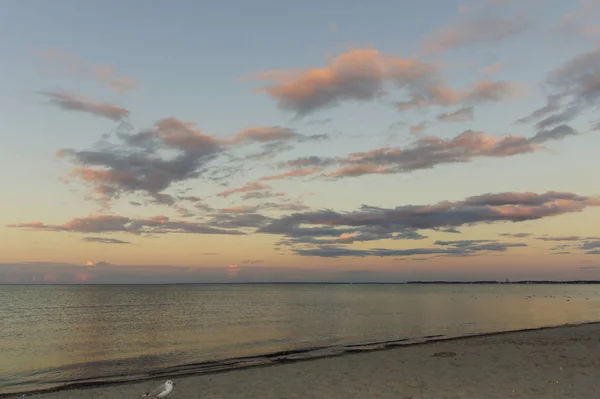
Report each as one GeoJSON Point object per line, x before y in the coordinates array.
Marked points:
{"type": "Point", "coordinates": [561, 362]}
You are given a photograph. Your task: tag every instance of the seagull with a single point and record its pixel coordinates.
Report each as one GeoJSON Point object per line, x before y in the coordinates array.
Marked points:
{"type": "Point", "coordinates": [161, 391]}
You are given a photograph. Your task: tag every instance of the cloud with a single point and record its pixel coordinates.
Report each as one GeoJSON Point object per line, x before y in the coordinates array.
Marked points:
{"type": "Point", "coordinates": [575, 242]}
{"type": "Point", "coordinates": [113, 224]}
{"type": "Point", "coordinates": [140, 163]}
{"type": "Point", "coordinates": [492, 68]}
{"type": "Point", "coordinates": [460, 115]}
{"type": "Point", "coordinates": [348, 236]}
{"type": "Point", "coordinates": [561, 238]}
{"type": "Point", "coordinates": [102, 73]}
{"type": "Point", "coordinates": [578, 22]}
{"type": "Point", "coordinates": [246, 188]}
{"type": "Point", "coordinates": [428, 152]}
{"type": "Point", "coordinates": [306, 162]}
{"type": "Point", "coordinates": [325, 227]}
{"type": "Point", "coordinates": [591, 245]}
{"type": "Point", "coordinates": [573, 88]}
{"type": "Point", "coordinates": [594, 252]}
{"type": "Point", "coordinates": [73, 102]}
{"type": "Point", "coordinates": [264, 134]}
{"type": "Point", "coordinates": [357, 75]}
{"type": "Point", "coordinates": [106, 74]}
{"type": "Point", "coordinates": [238, 221]}
{"type": "Point", "coordinates": [418, 129]}
{"type": "Point", "coordinates": [321, 121]}
{"type": "Point", "coordinates": [105, 240]}
{"type": "Point", "coordinates": [486, 26]}
{"type": "Point", "coordinates": [441, 95]}
{"type": "Point", "coordinates": [515, 235]}
{"type": "Point", "coordinates": [292, 173]}
{"type": "Point", "coordinates": [240, 209]}
{"type": "Point", "coordinates": [449, 248]}
{"type": "Point", "coordinates": [260, 195]}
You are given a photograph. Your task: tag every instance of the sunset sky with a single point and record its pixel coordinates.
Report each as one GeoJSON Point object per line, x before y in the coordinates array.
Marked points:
{"type": "Point", "coordinates": [191, 141]}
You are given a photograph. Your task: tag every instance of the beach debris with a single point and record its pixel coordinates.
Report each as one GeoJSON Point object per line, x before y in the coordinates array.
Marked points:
{"type": "Point", "coordinates": [161, 391]}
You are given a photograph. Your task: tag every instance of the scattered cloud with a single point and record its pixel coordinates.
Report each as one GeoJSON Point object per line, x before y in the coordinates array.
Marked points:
{"type": "Point", "coordinates": [357, 75]}
{"type": "Point", "coordinates": [246, 188]}
{"type": "Point", "coordinates": [105, 240]}
{"type": "Point", "coordinates": [307, 162]}
{"type": "Point", "coordinates": [484, 26]}
{"type": "Point", "coordinates": [322, 121]}
{"type": "Point", "coordinates": [460, 115]}
{"type": "Point", "coordinates": [448, 248]}
{"type": "Point", "coordinates": [492, 68]}
{"type": "Point", "coordinates": [573, 88]}
{"type": "Point", "coordinates": [441, 95]}
{"type": "Point", "coordinates": [581, 22]}
{"type": "Point", "coordinates": [120, 224]}
{"type": "Point", "coordinates": [561, 238]}
{"type": "Point", "coordinates": [329, 228]}
{"type": "Point", "coordinates": [140, 164]}
{"type": "Point", "coordinates": [428, 152]}
{"type": "Point", "coordinates": [591, 245]}
{"type": "Point", "coordinates": [515, 235]}
{"type": "Point", "coordinates": [264, 134]}
{"type": "Point", "coordinates": [105, 74]}
{"type": "Point", "coordinates": [292, 173]}
{"type": "Point", "coordinates": [418, 129]}
{"type": "Point", "coordinates": [73, 102]}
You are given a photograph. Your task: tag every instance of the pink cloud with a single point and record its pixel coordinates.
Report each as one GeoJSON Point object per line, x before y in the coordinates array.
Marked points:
{"type": "Point", "coordinates": [249, 187]}
{"type": "Point", "coordinates": [102, 73]}
{"type": "Point", "coordinates": [106, 74]}
{"type": "Point", "coordinates": [292, 173]}
{"type": "Point", "coordinates": [73, 102]}
{"type": "Point", "coordinates": [492, 68]}
{"type": "Point", "coordinates": [444, 96]}
{"type": "Point", "coordinates": [428, 152]}
{"type": "Point", "coordinates": [485, 25]}
{"type": "Point", "coordinates": [264, 134]}
{"type": "Point", "coordinates": [357, 75]}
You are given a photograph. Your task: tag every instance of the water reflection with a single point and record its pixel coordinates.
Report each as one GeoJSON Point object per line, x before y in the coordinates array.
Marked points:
{"type": "Point", "coordinates": [63, 333]}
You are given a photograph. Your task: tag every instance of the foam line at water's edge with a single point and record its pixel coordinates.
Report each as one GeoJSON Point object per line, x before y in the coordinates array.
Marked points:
{"type": "Point", "coordinates": [272, 359]}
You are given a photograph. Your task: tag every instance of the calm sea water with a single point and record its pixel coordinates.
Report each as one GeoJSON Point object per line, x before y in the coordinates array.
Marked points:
{"type": "Point", "coordinates": [55, 335]}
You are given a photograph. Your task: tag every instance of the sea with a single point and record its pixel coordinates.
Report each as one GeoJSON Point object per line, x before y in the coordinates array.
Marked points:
{"type": "Point", "coordinates": [53, 336]}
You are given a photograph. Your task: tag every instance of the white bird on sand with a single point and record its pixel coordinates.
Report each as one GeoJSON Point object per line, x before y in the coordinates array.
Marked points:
{"type": "Point", "coordinates": [161, 391]}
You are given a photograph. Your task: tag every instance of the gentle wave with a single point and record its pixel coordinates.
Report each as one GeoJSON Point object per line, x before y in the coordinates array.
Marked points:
{"type": "Point", "coordinates": [223, 365]}
{"type": "Point", "coordinates": [57, 336]}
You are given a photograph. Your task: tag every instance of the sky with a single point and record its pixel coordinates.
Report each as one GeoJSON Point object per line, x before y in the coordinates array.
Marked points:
{"type": "Point", "coordinates": [199, 141]}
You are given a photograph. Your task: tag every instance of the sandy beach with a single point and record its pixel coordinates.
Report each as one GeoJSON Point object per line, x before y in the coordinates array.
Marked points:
{"type": "Point", "coordinates": [561, 362]}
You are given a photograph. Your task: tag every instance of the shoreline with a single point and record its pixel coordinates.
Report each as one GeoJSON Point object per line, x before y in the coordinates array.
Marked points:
{"type": "Point", "coordinates": [285, 357]}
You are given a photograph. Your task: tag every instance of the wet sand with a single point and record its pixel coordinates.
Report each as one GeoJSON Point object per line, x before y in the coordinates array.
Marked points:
{"type": "Point", "coordinates": [562, 362]}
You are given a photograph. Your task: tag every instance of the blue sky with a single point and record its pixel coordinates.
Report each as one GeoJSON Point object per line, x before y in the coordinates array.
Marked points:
{"type": "Point", "coordinates": [206, 62]}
